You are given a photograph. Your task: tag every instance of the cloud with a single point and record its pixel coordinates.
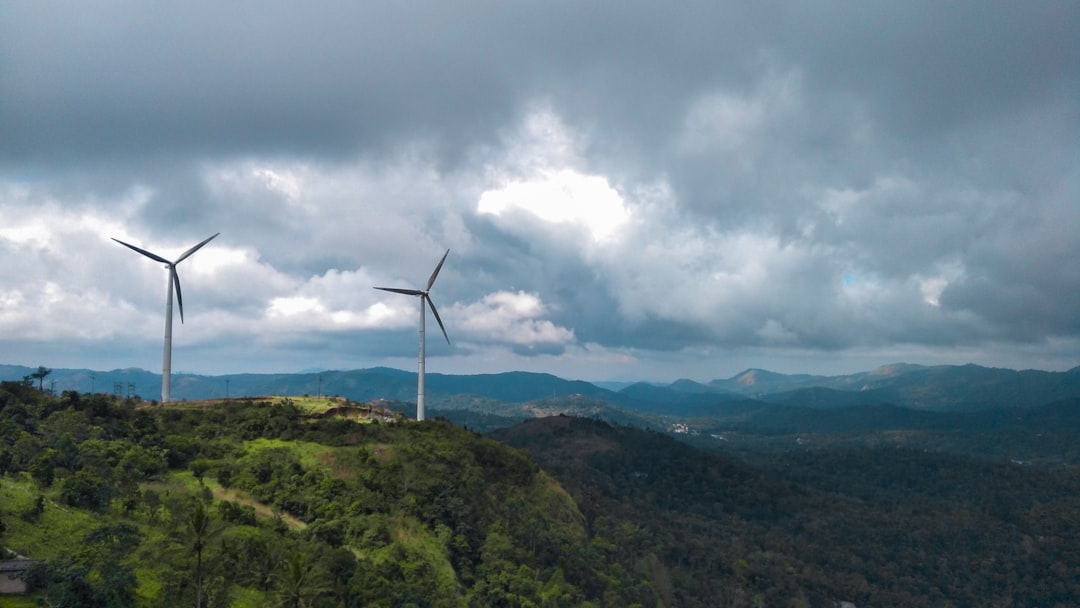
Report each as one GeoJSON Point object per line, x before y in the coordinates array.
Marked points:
{"type": "Point", "coordinates": [563, 197]}
{"type": "Point", "coordinates": [638, 189]}
{"type": "Point", "coordinates": [510, 318]}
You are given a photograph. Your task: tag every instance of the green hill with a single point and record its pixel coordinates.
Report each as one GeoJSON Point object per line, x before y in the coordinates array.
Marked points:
{"type": "Point", "coordinates": [330, 503]}
{"type": "Point", "coordinates": [250, 503]}
{"type": "Point", "coordinates": [817, 527]}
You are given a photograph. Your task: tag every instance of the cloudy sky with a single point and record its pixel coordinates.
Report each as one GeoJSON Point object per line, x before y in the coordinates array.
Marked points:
{"type": "Point", "coordinates": [628, 190]}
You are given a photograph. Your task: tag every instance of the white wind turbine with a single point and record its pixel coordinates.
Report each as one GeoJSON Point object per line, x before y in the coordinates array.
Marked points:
{"type": "Point", "coordinates": [425, 300]}
{"type": "Point", "coordinates": [174, 279]}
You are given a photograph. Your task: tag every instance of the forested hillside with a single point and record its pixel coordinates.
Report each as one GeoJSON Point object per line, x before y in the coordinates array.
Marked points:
{"type": "Point", "coordinates": [873, 526]}
{"type": "Point", "coordinates": [267, 503]}
{"type": "Point", "coordinates": [254, 504]}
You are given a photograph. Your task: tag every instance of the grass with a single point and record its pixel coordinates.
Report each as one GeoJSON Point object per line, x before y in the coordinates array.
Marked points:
{"type": "Point", "coordinates": [262, 511]}
{"type": "Point", "coordinates": [307, 404]}
{"type": "Point", "coordinates": [20, 601]}
{"type": "Point", "coordinates": [424, 545]}
{"type": "Point", "coordinates": [176, 482]}
{"type": "Point", "coordinates": [51, 534]}
{"type": "Point", "coordinates": [59, 528]}
{"type": "Point", "coordinates": [309, 453]}
{"type": "Point", "coordinates": [184, 482]}
{"type": "Point", "coordinates": [56, 533]}
{"type": "Point", "coordinates": [313, 405]}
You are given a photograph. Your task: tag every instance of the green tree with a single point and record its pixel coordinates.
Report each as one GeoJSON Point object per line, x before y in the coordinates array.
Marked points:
{"type": "Point", "coordinates": [86, 490]}
{"type": "Point", "coordinates": [41, 468]}
{"type": "Point", "coordinates": [300, 581]}
{"type": "Point", "coordinates": [96, 577]}
{"type": "Point", "coordinates": [64, 582]}
{"type": "Point", "coordinates": [200, 530]}
{"type": "Point", "coordinates": [105, 549]}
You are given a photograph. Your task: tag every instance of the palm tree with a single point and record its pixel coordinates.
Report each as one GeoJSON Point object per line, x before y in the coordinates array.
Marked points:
{"type": "Point", "coordinates": [200, 530]}
{"type": "Point", "coordinates": [300, 582]}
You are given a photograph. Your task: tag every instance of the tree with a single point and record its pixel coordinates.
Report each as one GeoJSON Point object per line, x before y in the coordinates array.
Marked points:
{"type": "Point", "coordinates": [300, 581]}
{"type": "Point", "coordinates": [200, 530]}
{"type": "Point", "coordinates": [64, 582]}
{"type": "Point", "coordinates": [39, 375]}
{"type": "Point", "coordinates": [105, 548]}
{"type": "Point", "coordinates": [41, 469]}
{"type": "Point", "coordinates": [96, 577]}
{"type": "Point", "coordinates": [86, 490]}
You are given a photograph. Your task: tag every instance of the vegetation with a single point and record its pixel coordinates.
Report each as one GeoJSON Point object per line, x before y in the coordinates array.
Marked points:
{"type": "Point", "coordinates": [289, 502]}
{"type": "Point", "coordinates": [873, 526]}
{"type": "Point", "coordinates": [191, 506]}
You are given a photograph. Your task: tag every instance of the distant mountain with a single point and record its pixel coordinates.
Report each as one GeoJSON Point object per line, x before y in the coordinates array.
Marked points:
{"type": "Point", "coordinates": [358, 385]}
{"type": "Point", "coordinates": [941, 388]}
{"type": "Point", "coordinates": [756, 382]}
{"type": "Point", "coordinates": [684, 385]}
{"type": "Point", "coordinates": [931, 388]}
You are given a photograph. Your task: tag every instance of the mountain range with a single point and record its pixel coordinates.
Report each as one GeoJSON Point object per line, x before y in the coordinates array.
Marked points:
{"type": "Point", "coordinates": [943, 388]}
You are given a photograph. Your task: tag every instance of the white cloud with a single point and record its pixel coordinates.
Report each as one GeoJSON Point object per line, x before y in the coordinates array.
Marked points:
{"type": "Point", "coordinates": [509, 317]}
{"type": "Point", "coordinates": [541, 175]}
{"type": "Point", "coordinates": [562, 197]}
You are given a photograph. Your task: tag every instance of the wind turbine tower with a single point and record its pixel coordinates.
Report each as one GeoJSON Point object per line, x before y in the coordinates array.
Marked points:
{"type": "Point", "coordinates": [425, 301]}
{"type": "Point", "coordinates": [174, 280]}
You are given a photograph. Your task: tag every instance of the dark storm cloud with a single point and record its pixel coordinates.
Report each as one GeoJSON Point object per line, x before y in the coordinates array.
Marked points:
{"type": "Point", "coordinates": [820, 176]}
{"type": "Point", "coordinates": [126, 79]}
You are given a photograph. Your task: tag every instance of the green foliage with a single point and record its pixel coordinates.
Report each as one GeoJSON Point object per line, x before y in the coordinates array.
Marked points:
{"type": "Point", "coordinates": [86, 490]}
{"type": "Point", "coordinates": [96, 575]}
{"type": "Point", "coordinates": [257, 504]}
{"type": "Point", "coordinates": [395, 514]}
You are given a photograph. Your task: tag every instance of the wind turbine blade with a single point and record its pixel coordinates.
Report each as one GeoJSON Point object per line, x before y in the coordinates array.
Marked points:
{"type": "Point", "coordinates": [408, 292]}
{"type": "Point", "coordinates": [152, 256]}
{"type": "Point", "coordinates": [436, 313]}
{"type": "Point", "coordinates": [179, 299]}
{"type": "Point", "coordinates": [184, 255]}
{"type": "Point", "coordinates": [434, 274]}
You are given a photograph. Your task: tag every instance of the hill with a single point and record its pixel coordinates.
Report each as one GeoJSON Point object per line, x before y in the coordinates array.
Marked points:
{"type": "Point", "coordinates": [875, 527]}
{"type": "Point", "coordinates": [345, 503]}
{"type": "Point", "coordinates": [960, 409]}
{"type": "Point", "coordinates": [934, 388]}
{"type": "Point", "coordinates": [260, 502]}
{"type": "Point", "coordinates": [939, 388]}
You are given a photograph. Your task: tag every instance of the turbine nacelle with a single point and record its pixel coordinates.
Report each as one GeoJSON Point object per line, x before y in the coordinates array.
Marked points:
{"type": "Point", "coordinates": [174, 278]}
{"type": "Point", "coordinates": [423, 294]}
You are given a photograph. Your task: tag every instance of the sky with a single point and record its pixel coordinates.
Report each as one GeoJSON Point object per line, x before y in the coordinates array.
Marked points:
{"type": "Point", "coordinates": [628, 190]}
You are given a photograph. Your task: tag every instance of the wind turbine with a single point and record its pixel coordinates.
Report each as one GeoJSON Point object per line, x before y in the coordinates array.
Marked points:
{"type": "Point", "coordinates": [425, 300]}
{"type": "Point", "coordinates": [174, 279]}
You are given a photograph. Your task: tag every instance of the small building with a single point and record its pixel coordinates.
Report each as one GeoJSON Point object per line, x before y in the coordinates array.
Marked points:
{"type": "Point", "coordinates": [13, 575]}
